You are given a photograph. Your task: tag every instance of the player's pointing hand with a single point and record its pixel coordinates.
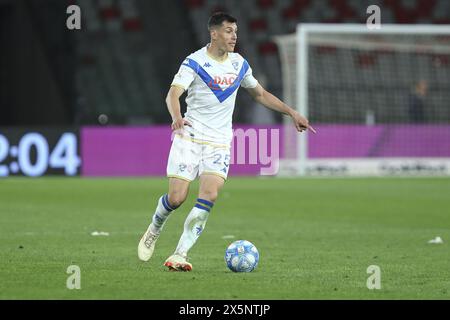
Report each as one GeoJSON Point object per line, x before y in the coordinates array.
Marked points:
{"type": "Point", "coordinates": [301, 123]}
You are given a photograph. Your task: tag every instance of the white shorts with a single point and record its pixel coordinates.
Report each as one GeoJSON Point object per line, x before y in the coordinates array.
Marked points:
{"type": "Point", "coordinates": [189, 158]}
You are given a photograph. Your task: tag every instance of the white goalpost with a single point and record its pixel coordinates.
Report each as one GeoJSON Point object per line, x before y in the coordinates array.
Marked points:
{"type": "Point", "coordinates": [379, 99]}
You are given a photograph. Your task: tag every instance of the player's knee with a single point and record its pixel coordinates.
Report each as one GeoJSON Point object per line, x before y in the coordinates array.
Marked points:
{"type": "Point", "coordinates": [176, 199]}
{"type": "Point", "coordinates": [210, 195]}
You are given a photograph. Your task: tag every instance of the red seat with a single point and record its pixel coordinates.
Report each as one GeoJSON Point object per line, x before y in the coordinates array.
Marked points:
{"type": "Point", "coordinates": [366, 60]}
{"type": "Point", "coordinates": [291, 13]}
{"type": "Point", "coordinates": [347, 13]}
{"type": "Point", "coordinates": [301, 4]}
{"type": "Point", "coordinates": [391, 3]}
{"type": "Point", "coordinates": [441, 60]}
{"type": "Point", "coordinates": [192, 4]}
{"type": "Point", "coordinates": [425, 8]}
{"type": "Point", "coordinates": [337, 3]}
{"type": "Point", "coordinates": [258, 24]}
{"type": "Point", "coordinates": [325, 50]}
{"type": "Point", "coordinates": [344, 11]}
{"type": "Point", "coordinates": [405, 16]}
{"type": "Point", "coordinates": [132, 24]}
{"type": "Point", "coordinates": [268, 47]}
{"type": "Point", "coordinates": [265, 4]}
{"type": "Point", "coordinates": [110, 13]}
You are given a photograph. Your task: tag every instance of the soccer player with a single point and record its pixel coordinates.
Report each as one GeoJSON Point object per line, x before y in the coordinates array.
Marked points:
{"type": "Point", "coordinates": [202, 142]}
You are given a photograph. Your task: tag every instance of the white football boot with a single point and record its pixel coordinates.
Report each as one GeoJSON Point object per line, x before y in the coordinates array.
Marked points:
{"type": "Point", "coordinates": [147, 245]}
{"type": "Point", "coordinates": [177, 262]}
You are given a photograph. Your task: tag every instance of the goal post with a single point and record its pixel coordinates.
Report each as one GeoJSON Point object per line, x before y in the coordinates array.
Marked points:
{"type": "Point", "coordinates": [379, 99]}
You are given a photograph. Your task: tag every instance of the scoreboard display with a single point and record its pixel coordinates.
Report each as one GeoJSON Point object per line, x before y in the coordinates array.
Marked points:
{"type": "Point", "coordinates": [33, 153]}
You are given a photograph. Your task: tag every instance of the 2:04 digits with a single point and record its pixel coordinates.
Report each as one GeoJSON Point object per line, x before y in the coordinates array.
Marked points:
{"type": "Point", "coordinates": [64, 155]}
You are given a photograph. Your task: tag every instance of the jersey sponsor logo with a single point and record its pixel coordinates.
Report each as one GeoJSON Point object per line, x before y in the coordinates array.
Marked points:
{"type": "Point", "coordinates": [225, 80]}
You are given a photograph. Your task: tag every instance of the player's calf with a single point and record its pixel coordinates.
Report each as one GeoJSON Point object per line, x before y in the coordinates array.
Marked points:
{"type": "Point", "coordinates": [146, 245]}
{"type": "Point", "coordinates": [193, 226]}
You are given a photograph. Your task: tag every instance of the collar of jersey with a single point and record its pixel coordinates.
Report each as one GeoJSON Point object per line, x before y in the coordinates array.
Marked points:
{"type": "Point", "coordinates": [214, 58]}
{"type": "Point", "coordinates": [221, 95]}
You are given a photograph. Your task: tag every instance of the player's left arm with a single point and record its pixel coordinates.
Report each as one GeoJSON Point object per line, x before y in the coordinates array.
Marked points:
{"type": "Point", "coordinates": [268, 100]}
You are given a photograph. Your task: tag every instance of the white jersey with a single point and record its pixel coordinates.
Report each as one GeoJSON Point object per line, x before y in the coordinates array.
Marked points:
{"type": "Point", "coordinates": [212, 88]}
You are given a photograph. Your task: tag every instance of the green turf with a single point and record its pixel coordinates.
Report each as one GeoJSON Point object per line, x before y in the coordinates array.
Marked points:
{"type": "Point", "coordinates": [316, 238]}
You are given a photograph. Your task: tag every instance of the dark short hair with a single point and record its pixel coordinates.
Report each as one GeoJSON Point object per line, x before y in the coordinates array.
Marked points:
{"type": "Point", "coordinates": [218, 18]}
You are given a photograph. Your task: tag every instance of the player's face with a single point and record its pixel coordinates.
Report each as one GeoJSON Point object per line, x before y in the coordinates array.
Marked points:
{"type": "Point", "coordinates": [226, 36]}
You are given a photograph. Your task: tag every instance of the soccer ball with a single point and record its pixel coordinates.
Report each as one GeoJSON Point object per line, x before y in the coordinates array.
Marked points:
{"type": "Point", "coordinates": [241, 256]}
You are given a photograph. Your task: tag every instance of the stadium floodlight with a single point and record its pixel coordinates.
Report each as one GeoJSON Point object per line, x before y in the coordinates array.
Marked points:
{"type": "Point", "coordinates": [379, 99]}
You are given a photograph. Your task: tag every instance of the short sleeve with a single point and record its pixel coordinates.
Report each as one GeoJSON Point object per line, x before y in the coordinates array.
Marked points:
{"type": "Point", "coordinates": [184, 77]}
{"type": "Point", "coordinates": [249, 80]}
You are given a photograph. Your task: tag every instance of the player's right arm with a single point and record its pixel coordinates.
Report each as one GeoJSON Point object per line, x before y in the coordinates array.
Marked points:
{"type": "Point", "coordinates": [173, 105]}
{"type": "Point", "coordinates": [181, 82]}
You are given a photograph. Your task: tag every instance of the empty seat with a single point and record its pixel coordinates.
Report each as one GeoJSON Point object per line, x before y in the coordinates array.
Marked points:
{"type": "Point", "coordinates": [132, 24]}
{"type": "Point", "coordinates": [192, 4]}
{"type": "Point", "coordinates": [259, 24]}
{"type": "Point", "coordinates": [265, 4]}
{"type": "Point", "coordinates": [267, 48]}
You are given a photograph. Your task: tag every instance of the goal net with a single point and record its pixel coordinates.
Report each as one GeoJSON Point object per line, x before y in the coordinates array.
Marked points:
{"type": "Point", "coordinates": [379, 99]}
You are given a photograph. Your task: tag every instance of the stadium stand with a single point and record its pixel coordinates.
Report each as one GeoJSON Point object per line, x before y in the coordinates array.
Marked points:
{"type": "Point", "coordinates": [121, 72]}
{"type": "Point", "coordinates": [126, 54]}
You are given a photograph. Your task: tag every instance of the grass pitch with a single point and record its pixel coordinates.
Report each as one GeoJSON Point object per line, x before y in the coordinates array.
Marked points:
{"type": "Point", "coordinates": [316, 239]}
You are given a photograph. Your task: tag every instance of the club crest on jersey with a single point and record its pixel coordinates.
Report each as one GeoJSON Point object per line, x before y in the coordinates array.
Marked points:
{"type": "Point", "coordinates": [236, 65]}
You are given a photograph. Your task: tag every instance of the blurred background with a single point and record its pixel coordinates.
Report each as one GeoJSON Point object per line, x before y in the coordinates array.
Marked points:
{"type": "Point", "coordinates": [122, 61]}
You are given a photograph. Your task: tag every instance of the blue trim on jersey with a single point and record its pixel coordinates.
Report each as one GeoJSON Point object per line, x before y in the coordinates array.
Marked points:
{"type": "Point", "coordinates": [221, 95]}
